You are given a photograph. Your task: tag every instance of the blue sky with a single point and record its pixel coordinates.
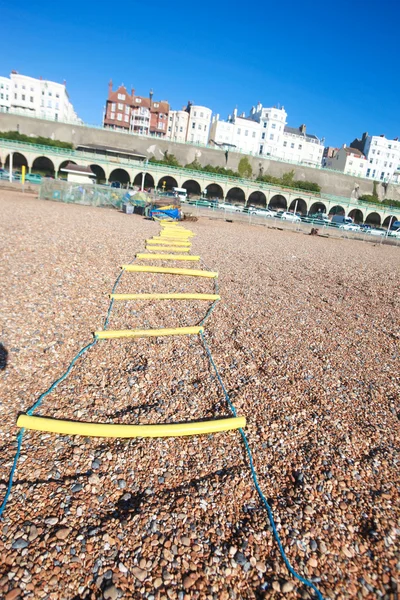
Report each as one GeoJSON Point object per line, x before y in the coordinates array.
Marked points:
{"type": "Point", "coordinates": [333, 65]}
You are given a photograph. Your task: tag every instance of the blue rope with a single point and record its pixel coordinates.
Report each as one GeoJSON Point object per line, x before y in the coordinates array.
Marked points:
{"type": "Point", "coordinates": [255, 481]}
{"type": "Point", "coordinates": [12, 472]}
{"type": "Point", "coordinates": [39, 401]}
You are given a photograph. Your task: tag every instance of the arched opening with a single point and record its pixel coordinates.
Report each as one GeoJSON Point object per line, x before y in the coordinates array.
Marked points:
{"type": "Point", "coordinates": [337, 210]}
{"type": "Point", "coordinates": [192, 187]}
{"type": "Point", "coordinates": [236, 194]}
{"type": "Point", "coordinates": [100, 174]}
{"type": "Point", "coordinates": [121, 176]}
{"type": "Point", "coordinates": [18, 161]}
{"type": "Point", "coordinates": [278, 202]}
{"type": "Point", "coordinates": [317, 208]}
{"type": "Point", "coordinates": [44, 166]}
{"type": "Point", "coordinates": [62, 174]}
{"type": "Point", "coordinates": [389, 220]}
{"type": "Point", "coordinates": [356, 215]}
{"type": "Point", "coordinates": [257, 199]}
{"type": "Point", "coordinates": [167, 183]}
{"type": "Point", "coordinates": [148, 181]}
{"type": "Point", "coordinates": [214, 191]}
{"type": "Point", "coordinates": [299, 206]}
{"type": "Point", "coordinates": [373, 219]}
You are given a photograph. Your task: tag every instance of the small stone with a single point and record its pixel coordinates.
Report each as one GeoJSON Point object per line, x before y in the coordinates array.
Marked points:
{"type": "Point", "coordinates": [313, 562]}
{"type": "Point", "coordinates": [51, 521]}
{"type": "Point", "coordinates": [121, 484]}
{"type": "Point", "coordinates": [63, 533]}
{"type": "Point", "coordinates": [308, 510]}
{"type": "Point", "coordinates": [95, 465]}
{"type": "Point", "coordinates": [122, 568]}
{"type": "Point", "coordinates": [111, 593]}
{"type": "Point", "coordinates": [189, 580]}
{"type": "Point", "coordinates": [19, 543]}
{"type": "Point", "coordinates": [13, 594]}
{"type": "Point", "coordinates": [276, 586]}
{"type": "Point", "coordinates": [287, 587]}
{"type": "Point", "coordinates": [167, 554]}
{"type": "Point", "coordinates": [157, 582]}
{"type": "Point", "coordinates": [139, 573]}
{"type": "Point", "coordinates": [313, 545]}
{"type": "Point", "coordinates": [185, 541]}
{"type": "Point", "coordinates": [33, 533]}
{"type": "Point", "coordinates": [260, 566]}
{"type": "Point", "coordinates": [322, 547]}
{"type": "Point", "coordinates": [240, 558]}
{"type": "Point", "coordinates": [76, 488]}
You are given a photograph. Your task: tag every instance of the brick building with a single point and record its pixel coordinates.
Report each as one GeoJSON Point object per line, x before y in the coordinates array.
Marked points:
{"type": "Point", "coordinates": [135, 114]}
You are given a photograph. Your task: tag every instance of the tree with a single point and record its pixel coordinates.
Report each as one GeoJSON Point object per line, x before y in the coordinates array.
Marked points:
{"type": "Point", "coordinates": [288, 178]}
{"type": "Point", "coordinates": [244, 168]}
{"type": "Point", "coordinates": [194, 165]}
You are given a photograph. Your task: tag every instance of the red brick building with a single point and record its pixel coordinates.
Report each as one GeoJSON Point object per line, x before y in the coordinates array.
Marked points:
{"type": "Point", "coordinates": [135, 114]}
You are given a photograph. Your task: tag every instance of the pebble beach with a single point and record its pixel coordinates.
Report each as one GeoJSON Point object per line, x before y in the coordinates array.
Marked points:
{"type": "Point", "coordinates": [306, 338]}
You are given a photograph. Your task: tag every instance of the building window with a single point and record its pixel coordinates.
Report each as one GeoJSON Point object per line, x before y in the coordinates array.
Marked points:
{"type": "Point", "coordinates": [254, 134]}
{"type": "Point", "coordinates": [205, 127]}
{"type": "Point", "coordinates": [156, 105]}
{"type": "Point", "coordinates": [23, 87]}
{"type": "Point", "coordinates": [273, 126]}
{"type": "Point", "coordinates": [50, 94]}
{"type": "Point", "coordinates": [261, 149]}
{"type": "Point", "coordinates": [15, 96]}
{"type": "Point", "coordinates": [292, 145]}
{"type": "Point", "coordinates": [169, 128]}
{"type": "Point", "coordinates": [23, 98]}
{"type": "Point", "coordinates": [126, 118]}
{"type": "Point", "coordinates": [284, 144]}
{"type": "Point", "coordinates": [368, 172]}
{"type": "Point", "coordinates": [201, 115]}
{"type": "Point", "coordinates": [265, 124]}
{"type": "Point", "coordinates": [113, 115]}
{"type": "Point", "coordinates": [121, 96]}
{"type": "Point", "coordinates": [371, 160]}
{"type": "Point", "coordinates": [119, 117]}
{"type": "Point", "coordinates": [194, 114]}
{"type": "Point", "coordinates": [390, 165]}
{"type": "Point", "coordinates": [239, 131]}
{"type": "Point", "coordinates": [193, 125]}
{"type": "Point", "coordinates": [199, 127]}
{"type": "Point", "coordinates": [1, 96]}
{"type": "Point", "coordinates": [300, 146]}
{"type": "Point", "coordinates": [56, 117]}
{"type": "Point", "coordinates": [385, 164]}
{"type": "Point", "coordinates": [246, 132]}
{"type": "Point", "coordinates": [138, 100]}
{"type": "Point", "coordinates": [181, 129]}
{"type": "Point", "coordinates": [263, 136]}
{"type": "Point", "coordinates": [49, 104]}
{"type": "Point", "coordinates": [31, 98]}
{"type": "Point", "coordinates": [382, 174]}
{"type": "Point", "coordinates": [57, 95]}
{"type": "Point", "coordinates": [350, 162]}
{"type": "Point", "coordinates": [120, 106]}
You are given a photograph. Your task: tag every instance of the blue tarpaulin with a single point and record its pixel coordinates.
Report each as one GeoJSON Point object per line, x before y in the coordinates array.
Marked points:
{"type": "Point", "coordinates": [173, 213]}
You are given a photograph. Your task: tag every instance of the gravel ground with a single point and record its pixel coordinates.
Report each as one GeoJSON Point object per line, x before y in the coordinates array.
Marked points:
{"type": "Point", "coordinates": [307, 341]}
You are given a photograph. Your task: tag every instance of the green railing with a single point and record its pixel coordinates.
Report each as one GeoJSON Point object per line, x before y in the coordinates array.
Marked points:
{"type": "Point", "coordinates": [164, 170]}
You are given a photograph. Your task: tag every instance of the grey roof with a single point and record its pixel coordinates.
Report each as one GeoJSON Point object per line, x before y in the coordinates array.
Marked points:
{"type": "Point", "coordinates": [296, 131]}
{"type": "Point", "coordinates": [105, 149]}
{"type": "Point", "coordinates": [73, 168]}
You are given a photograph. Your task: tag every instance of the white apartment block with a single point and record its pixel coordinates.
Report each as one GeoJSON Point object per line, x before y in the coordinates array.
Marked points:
{"type": "Point", "coordinates": [350, 161]}
{"type": "Point", "coordinates": [278, 140]}
{"type": "Point", "coordinates": [239, 131]}
{"type": "Point", "coordinates": [36, 97]}
{"type": "Point", "coordinates": [178, 121]}
{"type": "Point", "coordinates": [383, 158]}
{"type": "Point", "coordinates": [198, 124]}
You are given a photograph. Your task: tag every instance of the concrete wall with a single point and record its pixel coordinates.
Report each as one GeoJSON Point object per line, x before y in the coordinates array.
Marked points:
{"type": "Point", "coordinates": [330, 182]}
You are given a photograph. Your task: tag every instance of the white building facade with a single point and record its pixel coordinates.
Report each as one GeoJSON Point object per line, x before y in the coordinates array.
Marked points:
{"type": "Point", "coordinates": [350, 161]}
{"type": "Point", "coordinates": [278, 140]}
{"type": "Point", "coordinates": [36, 97]}
{"type": "Point", "coordinates": [239, 131]}
{"type": "Point", "coordinates": [178, 125]}
{"type": "Point", "coordinates": [199, 123]}
{"type": "Point", "coordinates": [383, 158]}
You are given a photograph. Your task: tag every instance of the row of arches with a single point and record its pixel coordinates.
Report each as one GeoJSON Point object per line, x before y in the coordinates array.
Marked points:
{"type": "Point", "coordinates": [46, 167]}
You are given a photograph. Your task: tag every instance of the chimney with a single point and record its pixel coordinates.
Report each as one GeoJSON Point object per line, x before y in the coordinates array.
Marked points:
{"type": "Point", "coordinates": [110, 86]}
{"type": "Point", "coordinates": [234, 113]}
{"type": "Point", "coordinates": [132, 92]}
{"type": "Point", "coordinates": [302, 129]}
{"type": "Point", "coordinates": [151, 97]}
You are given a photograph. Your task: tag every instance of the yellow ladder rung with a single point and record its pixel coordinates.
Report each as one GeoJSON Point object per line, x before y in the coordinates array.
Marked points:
{"type": "Point", "coordinates": [161, 241]}
{"type": "Point", "coordinates": [111, 430]}
{"type": "Point", "coordinates": [166, 248]}
{"type": "Point", "coordinates": [172, 296]}
{"type": "Point", "coordinates": [169, 270]}
{"type": "Point", "coordinates": [110, 334]}
{"type": "Point", "coordinates": [167, 257]}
